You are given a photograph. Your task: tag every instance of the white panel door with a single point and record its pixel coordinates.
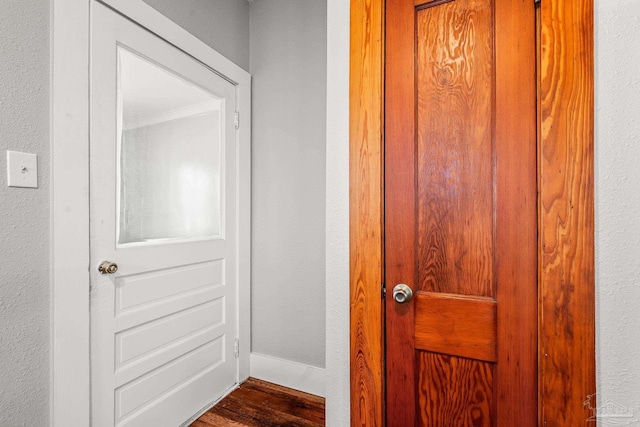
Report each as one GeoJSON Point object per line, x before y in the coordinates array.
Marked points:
{"type": "Point", "coordinates": [163, 189]}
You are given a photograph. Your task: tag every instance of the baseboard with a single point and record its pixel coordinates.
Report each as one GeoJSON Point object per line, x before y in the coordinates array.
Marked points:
{"type": "Point", "coordinates": [288, 374]}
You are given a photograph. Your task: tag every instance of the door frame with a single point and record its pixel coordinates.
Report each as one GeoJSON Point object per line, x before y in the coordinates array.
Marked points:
{"type": "Point", "coordinates": [566, 320]}
{"type": "Point", "coordinates": [70, 396]}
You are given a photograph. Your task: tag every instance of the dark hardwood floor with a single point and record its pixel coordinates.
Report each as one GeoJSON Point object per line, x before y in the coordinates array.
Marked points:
{"type": "Point", "coordinates": [257, 403]}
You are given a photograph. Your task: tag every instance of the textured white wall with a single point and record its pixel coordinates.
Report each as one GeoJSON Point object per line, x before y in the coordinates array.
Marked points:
{"type": "Point", "coordinates": [24, 215]}
{"type": "Point", "coordinates": [222, 24]}
{"type": "Point", "coordinates": [337, 373]}
{"type": "Point", "coordinates": [288, 67]}
{"type": "Point", "coordinates": [617, 142]}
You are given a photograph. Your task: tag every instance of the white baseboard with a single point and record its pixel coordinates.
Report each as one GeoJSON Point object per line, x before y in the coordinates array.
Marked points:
{"type": "Point", "coordinates": [288, 374]}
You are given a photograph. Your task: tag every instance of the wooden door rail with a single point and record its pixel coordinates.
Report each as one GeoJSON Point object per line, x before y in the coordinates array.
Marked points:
{"type": "Point", "coordinates": [456, 324]}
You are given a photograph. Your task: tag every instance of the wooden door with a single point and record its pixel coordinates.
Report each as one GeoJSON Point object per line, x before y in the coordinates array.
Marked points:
{"type": "Point", "coordinates": [164, 208]}
{"type": "Point", "coordinates": [460, 213]}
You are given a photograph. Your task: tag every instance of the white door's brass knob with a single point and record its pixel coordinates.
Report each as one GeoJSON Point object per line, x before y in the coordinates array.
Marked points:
{"type": "Point", "coordinates": [107, 267]}
{"type": "Point", "coordinates": [402, 293]}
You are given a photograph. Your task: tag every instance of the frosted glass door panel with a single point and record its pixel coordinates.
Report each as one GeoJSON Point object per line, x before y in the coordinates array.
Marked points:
{"type": "Point", "coordinates": [169, 134]}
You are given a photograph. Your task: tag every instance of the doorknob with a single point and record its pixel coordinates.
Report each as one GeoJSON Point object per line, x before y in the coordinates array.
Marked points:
{"type": "Point", "coordinates": [402, 293]}
{"type": "Point", "coordinates": [107, 267]}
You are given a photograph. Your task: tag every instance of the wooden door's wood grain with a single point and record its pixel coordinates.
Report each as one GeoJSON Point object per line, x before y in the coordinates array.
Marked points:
{"type": "Point", "coordinates": [366, 212]}
{"type": "Point", "coordinates": [538, 145]}
{"type": "Point", "coordinates": [428, 3]}
{"type": "Point", "coordinates": [400, 205]}
{"type": "Point", "coordinates": [457, 325]}
{"type": "Point", "coordinates": [566, 289]}
{"type": "Point", "coordinates": [516, 214]}
{"type": "Point", "coordinates": [567, 315]}
{"type": "Point", "coordinates": [457, 391]}
{"type": "Point", "coordinates": [461, 154]}
{"type": "Point", "coordinates": [454, 89]}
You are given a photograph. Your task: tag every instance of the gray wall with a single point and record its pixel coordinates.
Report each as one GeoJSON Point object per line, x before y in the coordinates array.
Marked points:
{"type": "Point", "coordinates": [618, 202]}
{"type": "Point", "coordinates": [222, 24]}
{"type": "Point", "coordinates": [24, 215]}
{"type": "Point", "coordinates": [288, 65]}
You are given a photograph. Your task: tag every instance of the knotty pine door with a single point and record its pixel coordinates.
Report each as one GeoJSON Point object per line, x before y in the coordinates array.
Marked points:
{"type": "Point", "coordinates": [460, 213]}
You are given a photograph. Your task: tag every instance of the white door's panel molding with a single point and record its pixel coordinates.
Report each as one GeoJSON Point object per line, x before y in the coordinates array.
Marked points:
{"type": "Point", "coordinates": [153, 337]}
{"type": "Point", "coordinates": [156, 360]}
{"type": "Point", "coordinates": [189, 396]}
{"type": "Point", "coordinates": [144, 391]}
{"type": "Point", "coordinates": [298, 376]}
{"type": "Point", "coordinates": [136, 290]}
{"type": "Point", "coordinates": [166, 307]}
{"type": "Point", "coordinates": [141, 298]}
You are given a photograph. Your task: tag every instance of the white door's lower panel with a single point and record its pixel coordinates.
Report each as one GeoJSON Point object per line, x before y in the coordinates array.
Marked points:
{"type": "Point", "coordinates": [153, 337]}
{"type": "Point", "coordinates": [191, 381]}
{"type": "Point", "coordinates": [149, 388]}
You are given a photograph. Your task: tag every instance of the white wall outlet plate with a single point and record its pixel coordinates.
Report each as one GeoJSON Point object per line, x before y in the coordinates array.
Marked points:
{"type": "Point", "coordinates": [22, 169]}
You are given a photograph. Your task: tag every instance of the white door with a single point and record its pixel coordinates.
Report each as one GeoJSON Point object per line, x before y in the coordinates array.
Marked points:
{"type": "Point", "coordinates": [163, 191]}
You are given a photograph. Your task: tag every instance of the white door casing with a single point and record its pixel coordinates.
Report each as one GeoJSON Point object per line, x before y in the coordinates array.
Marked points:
{"type": "Point", "coordinates": [172, 339]}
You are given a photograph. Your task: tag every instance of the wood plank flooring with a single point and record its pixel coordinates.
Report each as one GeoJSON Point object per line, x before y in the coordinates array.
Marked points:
{"type": "Point", "coordinates": [257, 403]}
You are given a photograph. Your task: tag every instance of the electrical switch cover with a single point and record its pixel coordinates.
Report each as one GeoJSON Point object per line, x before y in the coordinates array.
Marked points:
{"type": "Point", "coordinates": [22, 169]}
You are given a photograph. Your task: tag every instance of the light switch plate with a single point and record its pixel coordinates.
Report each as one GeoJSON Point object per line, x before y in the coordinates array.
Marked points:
{"type": "Point", "coordinates": [22, 169]}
